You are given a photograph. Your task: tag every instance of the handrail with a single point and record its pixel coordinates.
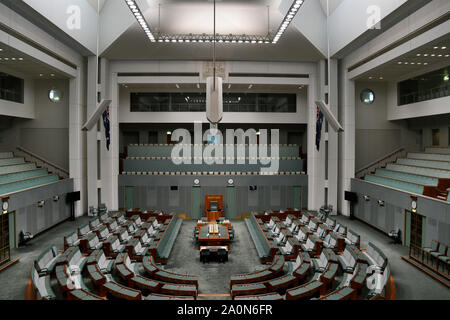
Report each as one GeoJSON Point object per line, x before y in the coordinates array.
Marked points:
{"type": "Point", "coordinates": [47, 163]}
{"type": "Point", "coordinates": [376, 163]}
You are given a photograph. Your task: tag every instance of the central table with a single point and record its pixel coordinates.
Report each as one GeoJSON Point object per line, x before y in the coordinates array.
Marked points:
{"type": "Point", "coordinates": [213, 239]}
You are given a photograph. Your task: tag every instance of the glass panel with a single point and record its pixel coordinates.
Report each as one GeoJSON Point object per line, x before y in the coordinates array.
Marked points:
{"type": "Point", "coordinates": [196, 102]}
{"type": "Point", "coordinates": [428, 86]}
{"type": "Point", "coordinates": [11, 88]}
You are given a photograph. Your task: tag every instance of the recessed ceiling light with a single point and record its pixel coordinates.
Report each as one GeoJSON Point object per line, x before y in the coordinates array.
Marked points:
{"type": "Point", "coordinates": [425, 64]}
{"type": "Point", "coordinates": [6, 59]}
{"type": "Point", "coordinates": [52, 75]}
{"type": "Point", "coordinates": [425, 54]}
{"type": "Point", "coordinates": [381, 78]}
{"type": "Point", "coordinates": [370, 78]}
{"type": "Point", "coordinates": [443, 48]}
{"type": "Point", "coordinates": [41, 75]}
{"type": "Point", "coordinates": [1, 49]}
{"type": "Point", "coordinates": [439, 55]}
{"type": "Point", "coordinates": [433, 55]}
{"type": "Point", "coordinates": [419, 63]}
{"type": "Point", "coordinates": [412, 63]}
{"type": "Point", "coordinates": [14, 59]}
{"type": "Point", "coordinates": [418, 54]}
{"type": "Point", "coordinates": [435, 48]}
{"type": "Point", "coordinates": [447, 55]}
{"type": "Point", "coordinates": [405, 63]}
{"type": "Point", "coordinates": [21, 59]}
{"type": "Point", "coordinates": [399, 62]}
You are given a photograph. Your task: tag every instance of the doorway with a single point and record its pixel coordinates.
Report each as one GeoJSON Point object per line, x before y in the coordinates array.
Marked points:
{"type": "Point", "coordinates": [196, 212]}
{"type": "Point", "coordinates": [5, 241]}
{"type": "Point", "coordinates": [129, 198]}
{"type": "Point", "coordinates": [231, 199]}
{"type": "Point", "coordinates": [415, 227]}
{"type": "Point", "coordinates": [436, 135]}
{"type": "Point", "coordinates": [298, 198]}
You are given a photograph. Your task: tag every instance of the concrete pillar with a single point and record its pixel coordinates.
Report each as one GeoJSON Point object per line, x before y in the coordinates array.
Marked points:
{"type": "Point", "coordinates": [333, 141]}
{"type": "Point", "coordinates": [77, 154]}
{"type": "Point", "coordinates": [92, 174]}
{"type": "Point", "coordinates": [110, 159]}
{"type": "Point", "coordinates": [316, 168]}
{"type": "Point", "coordinates": [346, 139]}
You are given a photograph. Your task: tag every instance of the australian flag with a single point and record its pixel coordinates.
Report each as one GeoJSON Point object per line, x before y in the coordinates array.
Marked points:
{"type": "Point", "coordinates": [319, 123]}
{"type": "Point", "coordinates": [107, 127]}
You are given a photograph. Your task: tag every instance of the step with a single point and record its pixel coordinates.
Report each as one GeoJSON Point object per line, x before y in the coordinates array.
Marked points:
{"type": "Point", "coordinates": [437, 173]}
{"type": "Point", "coordinates": [4, 155]}
{"type": "Point", "coordinates": [26, 184]}
{"type": "Point", "coordinates": [425, 163]}
{"type": "Point", "coordinates": [10, 161]}
{"type": "Point", "coordinates": [17, 168]}
{"type": "Point", "coordinates": [429, 156]}
{"type": "Point", "coordinates": [440, 150]}
{"type": "Point", "coordinates": [409, 177]}
{"type": "Point", "coordinates": [22, 175]}
{"type": "Point", "coordinates": [397, 184]}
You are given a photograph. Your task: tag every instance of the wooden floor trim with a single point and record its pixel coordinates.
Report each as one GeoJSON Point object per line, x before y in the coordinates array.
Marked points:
{"type": "Point", "coordinates": [392, 289]}
{"type": "Point", "coordinates": [424, 270]}
{"type": "Point", "coordinates": [9, 264]}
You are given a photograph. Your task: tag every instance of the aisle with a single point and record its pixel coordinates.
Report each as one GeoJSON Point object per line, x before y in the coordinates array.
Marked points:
{"type": "Point", "coordinates": [214, 276]}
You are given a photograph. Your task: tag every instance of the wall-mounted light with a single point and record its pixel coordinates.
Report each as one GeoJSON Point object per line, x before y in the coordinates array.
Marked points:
{"type": "Point", "coordinates": [367, 198]}
{"type": "Point", "coordinates": [41, 203]}
{"type": "Point", "coordinates": [381, 203]}
{"type": "Point", "coordinates": [55, 198]}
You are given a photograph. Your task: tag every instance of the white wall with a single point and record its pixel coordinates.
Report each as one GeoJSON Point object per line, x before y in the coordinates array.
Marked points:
{"type": "Point", "coordinates": [57, 12]}
{"type": "Point", "coordinates": [47, 133]}
{"type": "Point", "coordinates": [126, 116]}
{"type": "Point", "coordinates": [376, 136]}
{"type": "Point", "coordinates": [342, 30]}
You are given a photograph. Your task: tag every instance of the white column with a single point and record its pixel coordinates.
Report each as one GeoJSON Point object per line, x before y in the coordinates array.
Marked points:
{"type": "Point", "coordinates": [77, 153]}
{"type": "Point", "coordinates": [333, 141]}
{"type": "Point", "coordinates": [92, 175]}
{"type": "Point", "coordinates": [347, 139]}
{"type": "Point", "coordinates": [316, 168]}
{"type": "Point", "coordinates": [110, 159]}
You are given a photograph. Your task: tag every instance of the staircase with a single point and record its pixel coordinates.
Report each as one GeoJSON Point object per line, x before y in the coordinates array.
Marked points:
{"type": "Point", "coordinates": [426, 173]}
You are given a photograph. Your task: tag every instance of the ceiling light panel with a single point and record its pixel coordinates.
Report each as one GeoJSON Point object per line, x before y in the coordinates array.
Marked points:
{"type": "Point", "coordinates": [140, 19]}
{"type": "Point", "coordinates": [292, 12]}
{"type": "Point", "coordinates": [209, 38]}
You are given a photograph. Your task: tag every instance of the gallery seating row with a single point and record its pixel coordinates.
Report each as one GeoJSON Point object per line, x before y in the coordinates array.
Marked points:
{"type": "Point", "coordinates": [265, 248]}
{"type": "Point", "coordinates": [268, 273]}
{"type": "Point", "coordinates": [338, 254]}
{"type": "Point", "coordinates": [152, 269]}
{"type": "Point", "coordinates": [102, 260]}
{"type": "Point", "coordinates": [279, 284]}
{"type": "Point", "coordinates": [211, 173]}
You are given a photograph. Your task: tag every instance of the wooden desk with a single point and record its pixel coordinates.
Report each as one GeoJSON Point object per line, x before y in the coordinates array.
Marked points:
{"type": "Point", "coordinates": [213, 239]}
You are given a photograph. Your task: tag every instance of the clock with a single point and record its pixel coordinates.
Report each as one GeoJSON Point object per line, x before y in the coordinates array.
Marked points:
{"type": "Point", "coordinates": [5, 206]}
{"type": "Point", "coordinates": [230, 181]}
{"type": "Point", "coordinates": [196, 182]}
{"type": "Point", "coordinates": [414, 204]}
